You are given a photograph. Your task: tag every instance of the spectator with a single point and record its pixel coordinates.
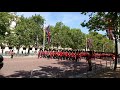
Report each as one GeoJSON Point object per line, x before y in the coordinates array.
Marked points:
{"type": "Point", "coordinates": [39, 54]}
{"type": "Point", "coordinates": [12, 53]}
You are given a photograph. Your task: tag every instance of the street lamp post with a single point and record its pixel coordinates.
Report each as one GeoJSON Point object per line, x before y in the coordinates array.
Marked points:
{"type": "Point", "coordinates": [43, 38]}
{"type": "Point", "coordinates": [86, 45]}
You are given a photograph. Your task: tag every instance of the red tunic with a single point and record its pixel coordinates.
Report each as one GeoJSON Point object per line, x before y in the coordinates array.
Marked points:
{"type": "Point", "coordinates": [72, 54]}
{"type": "Point", "coordinates": [61, 54]}
{"type": "Point", "coordinates": [39, 53]}
{"type": "Point", "coordinates": [69, 54]}
{"type": "Point", "coordinates": [51, 53]}
{"type": "Point", "coordinates": [57, 53]}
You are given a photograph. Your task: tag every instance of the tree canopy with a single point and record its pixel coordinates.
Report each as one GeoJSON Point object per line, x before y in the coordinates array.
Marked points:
{"type": "Point", "coordinates": [29, 32]}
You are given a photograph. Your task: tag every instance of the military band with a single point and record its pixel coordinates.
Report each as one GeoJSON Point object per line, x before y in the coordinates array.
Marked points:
{"type": "Point", "coordinates": [72, 55]}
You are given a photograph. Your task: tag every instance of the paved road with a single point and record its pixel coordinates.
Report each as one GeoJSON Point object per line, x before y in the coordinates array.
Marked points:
{"type": "Point", "coordinates": [20, 67]}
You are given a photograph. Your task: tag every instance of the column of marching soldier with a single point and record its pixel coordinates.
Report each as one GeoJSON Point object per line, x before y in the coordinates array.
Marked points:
{"type": "Point", "coordinates": [73, 55]}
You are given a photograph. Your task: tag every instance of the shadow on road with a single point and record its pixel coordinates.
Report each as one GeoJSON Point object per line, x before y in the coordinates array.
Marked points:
{"type": "Point", "coordinates": [68, 69]}
{"type": "Point", "coordinates": [109, 74]}
{"type": "Point", "coordinates": [1, 76]}
{"type": "Point", "coordinates": [20, 74]}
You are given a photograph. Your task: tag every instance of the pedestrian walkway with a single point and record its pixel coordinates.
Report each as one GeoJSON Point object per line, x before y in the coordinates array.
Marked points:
{"type": "Point", "coordinates": [21, 67]}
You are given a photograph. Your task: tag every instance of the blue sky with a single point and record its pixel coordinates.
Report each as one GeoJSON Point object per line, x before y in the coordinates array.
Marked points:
{"type": "Point", "coordinates": [71, 19]}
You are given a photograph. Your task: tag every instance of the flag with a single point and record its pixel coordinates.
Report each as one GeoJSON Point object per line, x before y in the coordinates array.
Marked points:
{"type": "Point", "coordinates": [44, 39]}
{"type": "Point", "coordinates": [89, 43]}
{"type": "Point", "coordinates": [110, 33]}
{"type": "Point", "coordinates": [47, 30]}
{"type": "Point", "coordinates": [44, 35]}
{"type": "Point", "coordinates": [110, 30]}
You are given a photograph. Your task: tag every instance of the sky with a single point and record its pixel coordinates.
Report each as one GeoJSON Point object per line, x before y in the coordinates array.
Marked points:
{"type": "Point", "coordinates": [71, 19]}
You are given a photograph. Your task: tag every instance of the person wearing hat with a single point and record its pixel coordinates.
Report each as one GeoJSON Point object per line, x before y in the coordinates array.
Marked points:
{"type": "Point", "coordinates": [49, 53]}
{"type": "Point", "coordinates": [73, 55]}
{"type": "Point", "coordinates": [70, 55]}
{"type": "Point", "coordinates": [39, 54]}
{"type": "Point", "coordinates": [77, 56]}
{"type": "Point", "coordinates": [63, 54]}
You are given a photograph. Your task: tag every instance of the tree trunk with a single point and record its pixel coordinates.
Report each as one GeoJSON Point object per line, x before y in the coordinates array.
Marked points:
{"type": "Point", "coordinates": [116, 53]}
{"type": "Point", "coordinates": [116, 44]}
{"type": "Point", "coordinates": [90, 65]}
{"type": "Point", "coordinates": [89, 61]}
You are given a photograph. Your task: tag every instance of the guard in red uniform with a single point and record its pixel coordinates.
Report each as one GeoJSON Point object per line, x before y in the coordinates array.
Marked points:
{"type": "Point", "coordinates": [45, 53]}
{"type": "Point", "coordinates": [77, 56]}
{"type": "Point", "coordinates": [73, 55]}
{"type": "Point", "coordinates": [51, 54]}
{"type": "Point", "coordinates": [70, 55]}
{"type": "Point", "coordinates": [57, 54]}
{"type": "Point", "coordinates": [61, 54]}
{"type": "Point", "coordinates": [65, 54]}
{"type": "Point", "coordinates": [48, 53]}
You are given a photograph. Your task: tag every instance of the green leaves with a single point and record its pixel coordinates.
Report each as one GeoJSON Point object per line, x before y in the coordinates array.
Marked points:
{"type": "Point", "coordinates": [99, 21]}
{"type": "Point", "coordinates": [101, 42]}
{"type": "Point", "coordinates": [5, 21]}
{"type": "Point", "coordinates": [65, 37]}
{"type": "Point", "coordinates": [29, 31]}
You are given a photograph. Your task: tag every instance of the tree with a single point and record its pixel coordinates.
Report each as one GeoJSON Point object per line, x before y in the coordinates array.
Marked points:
{"type": "Point", "coordinates": [63, 36]}
{"type": "Point", "coordinates": [29, 31]}
{"type": "Point", "coordinates": [101, 21]}
{"type": "Point", "coordinates": [57, 34]}
{"type": "Point", "coordinates": [38, 29]}
{"type": "Point", "coordinates": [5, 22]}
{"type": "Point", "coordinates": [77, 38]}
{"type": "Point", "coordinates": [99, 42]}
